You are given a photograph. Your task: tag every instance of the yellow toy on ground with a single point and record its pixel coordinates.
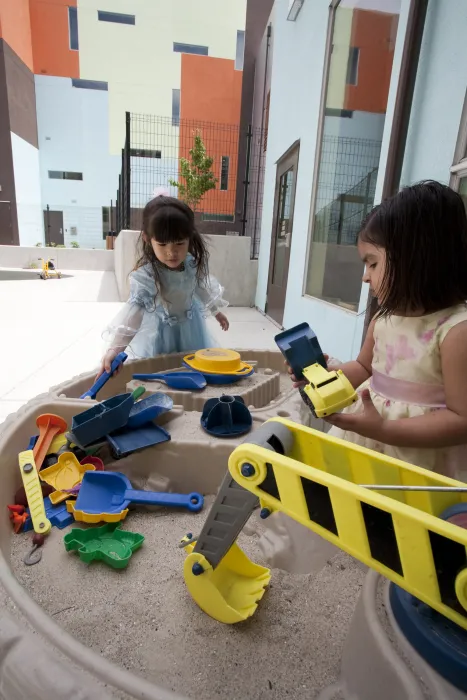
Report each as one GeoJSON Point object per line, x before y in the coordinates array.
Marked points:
{"type": "Point", "coordinates": [48, 269]}
{"type": "Point", "coordinates": [384, 512]}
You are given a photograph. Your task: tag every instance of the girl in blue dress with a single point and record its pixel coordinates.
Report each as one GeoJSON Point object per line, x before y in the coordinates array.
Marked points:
{"type": "Point", "coordinates": [171, 291]}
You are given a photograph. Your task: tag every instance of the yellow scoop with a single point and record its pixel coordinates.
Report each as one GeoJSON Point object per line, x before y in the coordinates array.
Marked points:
{"type": "Point", "coordinates": [229, 593]}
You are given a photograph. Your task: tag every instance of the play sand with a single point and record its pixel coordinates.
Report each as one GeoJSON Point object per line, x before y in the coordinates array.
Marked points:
{"type": "Point", "coordinates": [258, 390]}
{"type": "Point", "coordinates": [143, 618]}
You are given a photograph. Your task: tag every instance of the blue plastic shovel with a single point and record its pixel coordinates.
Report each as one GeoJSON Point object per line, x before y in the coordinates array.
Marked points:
{"type": "Point", "coordinates": [104, 378]}
{"type": "Point", "coordinates": [111, 492]}
{"type": "Point", "coordinates": [185, 381]}
{"type": "Point", "coordinates": [149, 409]}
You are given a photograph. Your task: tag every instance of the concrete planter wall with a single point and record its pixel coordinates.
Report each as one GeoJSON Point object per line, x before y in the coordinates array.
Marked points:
{"type": "Point", "coordinates": [65, 258]}
{"type": "Point", "coordinates": [229, 262]}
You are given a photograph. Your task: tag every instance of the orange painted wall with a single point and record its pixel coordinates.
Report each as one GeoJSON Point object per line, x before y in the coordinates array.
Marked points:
{"type": "Point", "coordinates": [210, 98]}
{"type": "Point", "coordinates": [15, 28]}
{"type": "Point", "coordinates": [374, 34]}
{"type": "Point", "coordinates": [50, 39]}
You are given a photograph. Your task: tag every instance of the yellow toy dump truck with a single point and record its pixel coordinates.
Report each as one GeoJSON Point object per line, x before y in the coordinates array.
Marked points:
{"type": "Point", "coordinates": [394, 517]}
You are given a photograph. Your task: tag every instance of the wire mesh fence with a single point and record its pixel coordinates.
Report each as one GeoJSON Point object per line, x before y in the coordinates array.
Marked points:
{"type": "Point", "coordinates": [346, 188]}
{"type": "Point", "coordinates": [154, 150]}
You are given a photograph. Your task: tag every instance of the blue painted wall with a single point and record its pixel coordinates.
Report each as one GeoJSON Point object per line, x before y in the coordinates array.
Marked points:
{"type": "Point", "coordinates": [439, 93]}
{"type": "Point", "coordinates": [297, 71]}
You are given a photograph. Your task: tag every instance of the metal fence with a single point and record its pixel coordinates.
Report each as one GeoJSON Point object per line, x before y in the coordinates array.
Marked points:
{"type": "Point", "coordinates": [154, 147]}
{"type": "Point", "coordinates": [346, 188]}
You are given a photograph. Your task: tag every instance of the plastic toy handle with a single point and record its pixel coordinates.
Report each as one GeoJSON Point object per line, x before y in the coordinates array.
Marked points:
{"type": "Point", "coordinates": [104, 378]}
{"type": "Point", "coordinates": [193, 501]}
{"type": "Point", "coordinates": [138, 392]}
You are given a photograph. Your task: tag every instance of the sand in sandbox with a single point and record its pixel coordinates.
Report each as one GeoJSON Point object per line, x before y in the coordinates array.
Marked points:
{"type": "Point", "coordinates": [144, 619]}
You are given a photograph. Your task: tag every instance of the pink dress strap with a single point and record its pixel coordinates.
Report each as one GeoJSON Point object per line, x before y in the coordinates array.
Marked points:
{"type": "Point", "coordinates": [429, 395]}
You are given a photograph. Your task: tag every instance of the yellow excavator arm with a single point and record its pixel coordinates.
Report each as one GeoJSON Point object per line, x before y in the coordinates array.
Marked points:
{"type": "Point", "coordinates": [384, 512]}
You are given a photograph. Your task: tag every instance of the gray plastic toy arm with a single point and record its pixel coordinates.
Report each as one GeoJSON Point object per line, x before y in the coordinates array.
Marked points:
{"type": "Point", "coordinates": [234, 504]}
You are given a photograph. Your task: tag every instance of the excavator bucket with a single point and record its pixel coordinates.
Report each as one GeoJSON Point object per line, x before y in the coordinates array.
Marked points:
{"type": "Point", "coordinates": [229, 593]}
{"type": "Point", "coordinates": [220, 577]}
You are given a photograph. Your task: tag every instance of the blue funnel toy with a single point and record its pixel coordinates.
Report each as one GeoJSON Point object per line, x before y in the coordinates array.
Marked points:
{"type": "Point", "coordinates": [226, 417]}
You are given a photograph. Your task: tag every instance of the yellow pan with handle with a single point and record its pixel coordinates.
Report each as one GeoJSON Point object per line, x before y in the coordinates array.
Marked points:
{"type": "Point", "coordinates": [218, 361]}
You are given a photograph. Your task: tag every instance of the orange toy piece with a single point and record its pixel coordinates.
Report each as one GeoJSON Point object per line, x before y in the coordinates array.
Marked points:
{"type": "Point", "coordinates": [49, 426]}
{"type": "Point", "coordinates": [18, 517]}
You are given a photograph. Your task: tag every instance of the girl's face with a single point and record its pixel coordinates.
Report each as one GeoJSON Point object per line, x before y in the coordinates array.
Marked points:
{"type": "Point", "coordinates": [171, 254]}
{"type": "Point", "coordinates": [375, 262]}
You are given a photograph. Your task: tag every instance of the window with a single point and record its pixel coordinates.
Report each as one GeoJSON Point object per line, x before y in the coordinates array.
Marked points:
{"type": "Point", "coordinates": [225, 166]}
{"type": "Point", "coordinates": [352, 66]}
{"type": "Point", "coordinates": [62, 175]}
{"type": "Point", "coordinates": [459, 167]}
{"type": "Point", "coordinates": [116, 17]}
{"type": "Point", "coordinates": [175, 107]}
{"type": "Point", "coordinates": [294, 8]}
{"type": "Point", "coordinates": [89, 84]}
{"type": "Point", "coordinates": [218, 217]}
{"type": "Point", "coordinates": [73, 28]}
{"type": "Point", "coordinates": [145, 153]}
{"type": "Point", "coordinates": [240, 50]}
{"type": "Point", "coordinates": [349, 145]}
{"type": "Point", "coordinates": [333, 112]}
{"type": "Point", "coordinates": [191, 48]}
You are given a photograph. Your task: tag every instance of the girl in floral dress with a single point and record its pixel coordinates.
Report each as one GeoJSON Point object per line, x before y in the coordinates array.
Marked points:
{"type": "Point", "coordinates": [411, 372]}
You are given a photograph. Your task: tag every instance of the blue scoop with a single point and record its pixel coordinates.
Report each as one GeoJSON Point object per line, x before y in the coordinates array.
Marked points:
{"type": "Point", "coordinates": [111, 492]}
{"type": "Point", "coordinates": [149, 409]}
{"type": "Point", "coordinates": [185, 381]}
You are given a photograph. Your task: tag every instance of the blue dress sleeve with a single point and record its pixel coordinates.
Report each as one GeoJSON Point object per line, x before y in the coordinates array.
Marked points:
{"type": "Point", "coordinates": [122, 329]}
{"type": "Point", "coordinates": [143, 288]}
{"type": "Point", "coordinates": [209, 293]}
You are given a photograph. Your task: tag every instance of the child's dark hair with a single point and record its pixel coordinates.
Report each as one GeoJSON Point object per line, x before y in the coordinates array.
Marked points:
{"type": "Point", "coordinates": [169, 220]}
{"type": "Point", "coordinates": [423, 230]}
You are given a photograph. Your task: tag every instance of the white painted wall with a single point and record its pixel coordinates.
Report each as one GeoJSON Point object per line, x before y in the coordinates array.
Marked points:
{"type": "Point", "coordinates": [28, 191]}
{"type": "Point", "coordinates": [138, 61]}
{"type": "Point", "coordinates": [73, 130]}
{"type": "Point", "coordinates": [439, 93]}
{"type": "Point", "coordinates": [298, 58]}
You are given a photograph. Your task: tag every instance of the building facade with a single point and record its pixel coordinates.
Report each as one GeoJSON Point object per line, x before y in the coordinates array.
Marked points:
{"type": "Point", "coordinates": [70, 71]}
{"type": "Point", "coordinates": [335, 104]}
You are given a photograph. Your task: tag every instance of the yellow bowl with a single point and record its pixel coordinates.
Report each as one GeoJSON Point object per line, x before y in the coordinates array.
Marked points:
{"type": "Point", "coordinates": [217, 361]}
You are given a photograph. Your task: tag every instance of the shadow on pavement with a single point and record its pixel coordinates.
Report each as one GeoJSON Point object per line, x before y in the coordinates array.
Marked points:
{"type": "Point", "coordinates": [18, 275]}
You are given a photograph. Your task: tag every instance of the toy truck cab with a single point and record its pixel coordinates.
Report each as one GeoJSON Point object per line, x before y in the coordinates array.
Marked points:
{"type": "Point", "coordinates": [328, 391]}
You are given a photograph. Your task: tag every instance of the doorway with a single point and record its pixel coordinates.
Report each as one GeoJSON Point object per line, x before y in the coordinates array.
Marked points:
{"type": "Point", "coordinates": [6, 228]}
{"type": "Point", "coordinates": [53, 227]}
{"type": "Point", "coordinates": [284, 202]}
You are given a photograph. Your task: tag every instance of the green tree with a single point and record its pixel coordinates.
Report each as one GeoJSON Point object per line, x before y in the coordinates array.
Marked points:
{"type": "Point", "coordinates": [196, 173]}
